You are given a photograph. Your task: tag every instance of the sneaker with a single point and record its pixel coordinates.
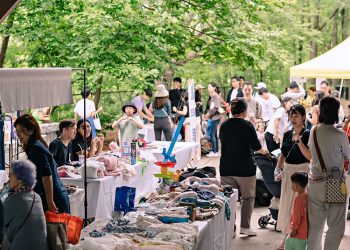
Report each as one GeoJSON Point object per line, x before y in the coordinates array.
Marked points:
{"type": "Point", "coordinates": [211, 154]}
{"type": "Point", "coordinates": [217, 154]}
{"type": "Point", "coordinates": [248, 231]}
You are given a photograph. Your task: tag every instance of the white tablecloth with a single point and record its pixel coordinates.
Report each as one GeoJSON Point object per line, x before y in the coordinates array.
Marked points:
{"type": "Point", "coordinates": [101, 192]}
{"type": "Point", "coordinates": [148, 131]}
{"type": "Point", "coordinates": [76, 201]}
{"type": "Point", "coordinates": [217, 232]}
{"type": "Point", "coordinates": [183, 151]}
{"type": "Point", "coordinates": [3, 178]}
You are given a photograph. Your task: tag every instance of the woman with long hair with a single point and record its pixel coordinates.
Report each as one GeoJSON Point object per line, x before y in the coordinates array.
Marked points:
{"type": "Point", "coordinates": [215, 117]}
{"type": "Point", "coordinates": [49, 185]}
{"type": "Point", "coordinates": [295, 157]}
{"type": "Point", "coordinates": [161, 113]}
{"type": "Point", "coordinates": [94, 145]}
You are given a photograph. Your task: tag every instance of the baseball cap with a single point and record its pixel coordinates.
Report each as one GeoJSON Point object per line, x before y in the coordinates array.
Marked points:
{"type": "Point", "coordinates": [293, 85]}
{"type": "Point", "coordinates": [260, 85]}
{"type": "Point", "coordinates": [198, 86]}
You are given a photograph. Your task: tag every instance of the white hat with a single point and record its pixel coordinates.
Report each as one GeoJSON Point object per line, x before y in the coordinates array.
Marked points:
{"type": "Point", "coordinates": [198, 86]}
{"type": "Point", "coordinates": [161, 91]}
{"type": "Point", "coordinates": [260, 85]}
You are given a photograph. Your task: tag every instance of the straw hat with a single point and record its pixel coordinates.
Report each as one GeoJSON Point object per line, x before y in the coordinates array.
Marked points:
{"type": "Point", "coordinates": [198, 86]}
{"type": "Point", "coordinates": [161, 91]}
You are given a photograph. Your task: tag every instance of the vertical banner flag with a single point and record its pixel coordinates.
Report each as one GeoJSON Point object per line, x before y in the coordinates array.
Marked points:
{"type": "Point", "coordinates": [192, 110]}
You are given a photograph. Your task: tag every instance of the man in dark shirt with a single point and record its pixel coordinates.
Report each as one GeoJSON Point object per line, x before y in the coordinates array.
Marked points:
{"type": "Point", "coordinates": [237, 167]}
{"type": "Point", "coordinates": [176, 95]}
{"type": "Point", "coordinates": [61, 147]}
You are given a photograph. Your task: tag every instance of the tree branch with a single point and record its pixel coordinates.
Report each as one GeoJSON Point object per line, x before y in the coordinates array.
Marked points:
{"type": "Point", "coordinates": [329, 19]}
{"type": "Point", "coordinates": [204, 33]}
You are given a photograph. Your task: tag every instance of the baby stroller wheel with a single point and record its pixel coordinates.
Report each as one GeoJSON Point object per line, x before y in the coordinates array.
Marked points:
{"type": "Point", "coordinates": [263, 221]}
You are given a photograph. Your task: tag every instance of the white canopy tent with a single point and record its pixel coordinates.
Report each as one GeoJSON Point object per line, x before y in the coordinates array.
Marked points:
{"type": "Point", "coordinates": [333, 64]}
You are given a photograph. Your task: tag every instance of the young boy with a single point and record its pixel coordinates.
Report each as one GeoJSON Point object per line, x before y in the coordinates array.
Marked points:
{"type": "Point", "coordinates": [129, 124]}
{"type": "Point", "coordinates": [298, 219]}
{"type": "Point", "coordinates": [61, 147]}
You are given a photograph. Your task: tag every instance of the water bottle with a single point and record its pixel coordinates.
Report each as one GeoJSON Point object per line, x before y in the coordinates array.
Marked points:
{"type": "Point", "coordinates": [125, 150]}
{"type": "Point", "coordinates": [133, 153]}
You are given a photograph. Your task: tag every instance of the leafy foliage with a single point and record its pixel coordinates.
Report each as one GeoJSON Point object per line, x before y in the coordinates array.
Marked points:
{"type": "Point", "coordinates": [133, 43]}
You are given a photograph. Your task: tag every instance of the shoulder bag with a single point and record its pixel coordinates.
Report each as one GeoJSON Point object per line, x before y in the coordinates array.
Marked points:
{"type": "Point", "coordinates": [335, 184]}
{"type": "Point", "coordinates": [97, 122]}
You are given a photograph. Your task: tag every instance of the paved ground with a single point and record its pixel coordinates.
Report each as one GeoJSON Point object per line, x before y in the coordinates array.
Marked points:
{"type": "Point", "coordinates": [267, 239]}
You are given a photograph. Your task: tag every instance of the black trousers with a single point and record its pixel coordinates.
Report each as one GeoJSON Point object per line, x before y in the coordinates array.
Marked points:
{"type": "Point", "coordinates": [270, 143]}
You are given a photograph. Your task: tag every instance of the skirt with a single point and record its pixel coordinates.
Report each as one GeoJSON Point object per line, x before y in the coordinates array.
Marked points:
{"type": "Point", "coordinates": [287, 195]}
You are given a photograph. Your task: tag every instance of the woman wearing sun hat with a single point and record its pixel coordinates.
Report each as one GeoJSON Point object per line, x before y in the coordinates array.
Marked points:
{"type": "Point", "coordinates": [161, 113]}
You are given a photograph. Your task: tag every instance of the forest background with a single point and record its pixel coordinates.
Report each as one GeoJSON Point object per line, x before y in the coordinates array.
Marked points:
{"type": "Point", "coordinates": [128, 45]}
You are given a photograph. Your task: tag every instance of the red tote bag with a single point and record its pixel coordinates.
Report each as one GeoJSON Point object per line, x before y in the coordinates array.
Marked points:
{"type": "Point", "coordinates": [74, 225]}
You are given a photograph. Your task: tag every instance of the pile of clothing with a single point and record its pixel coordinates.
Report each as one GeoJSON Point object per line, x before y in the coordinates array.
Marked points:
{"type": "Point", "coordinates": [143, 233]}
{"type": "Point", "coordinates": [193, 198]}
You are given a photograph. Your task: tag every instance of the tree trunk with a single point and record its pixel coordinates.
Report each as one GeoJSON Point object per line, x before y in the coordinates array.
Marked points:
{"type": "Point", "coordinates": [335, 31]}
{"type": "Point", "coordinates": [345, 23]}
{"type": "Point", "coordinates": [168, 77]}
{"type": "Point", "coordinates": [5, 40]}
{"type": "Point", "coordinates": [98, 91]}
{"type": "Point", "coordinates": [316, 25]}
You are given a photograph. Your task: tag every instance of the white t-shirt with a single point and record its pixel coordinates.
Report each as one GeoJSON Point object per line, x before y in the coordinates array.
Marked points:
{"type": "Point", "coordinates": [233, 94]}
{"type": "Point", "coordinates": [282, 114]}
{"type": "Point", "coordinates": [79, 108]}
{"type": "Point", "coordinates": [268, 106]}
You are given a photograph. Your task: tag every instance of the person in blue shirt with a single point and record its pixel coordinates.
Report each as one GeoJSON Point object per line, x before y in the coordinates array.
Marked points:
{"type": "Point", "coordinates": [48, 184]}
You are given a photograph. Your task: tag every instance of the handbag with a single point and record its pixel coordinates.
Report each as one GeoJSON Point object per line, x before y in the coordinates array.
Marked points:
{"type": "Point", "coordinates": [335, 184]}
{"type": "Point", "coordinates": [73, 225]}
{"type": "Point", "coordinates": [97, 122]}
{"type": "Point", "coordinates": [56, 235]}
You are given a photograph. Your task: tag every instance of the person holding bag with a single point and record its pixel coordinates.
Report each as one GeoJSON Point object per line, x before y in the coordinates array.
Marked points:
{"type": "Point", "coordinates": [161, 113]}
{"type": "Point", "coordinates": [295, 157]}
{"type": "Point", "coordinates": [329, 147]}
{"type": "Point", "coordinates": [48, 184]}
{"type": "Point", "coordinates": [24, 220]}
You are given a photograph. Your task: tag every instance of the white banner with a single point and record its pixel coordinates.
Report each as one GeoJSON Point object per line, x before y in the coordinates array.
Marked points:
{"type": "Point", "coordinates": [192, 110]}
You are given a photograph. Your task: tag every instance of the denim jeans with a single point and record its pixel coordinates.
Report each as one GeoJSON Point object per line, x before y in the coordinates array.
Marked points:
{"type": "Point", "coordinates": [214, 135]}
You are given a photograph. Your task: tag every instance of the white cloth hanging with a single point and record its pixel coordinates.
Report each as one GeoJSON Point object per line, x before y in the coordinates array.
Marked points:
{"type": "Point", "coordinates": [26, 88]}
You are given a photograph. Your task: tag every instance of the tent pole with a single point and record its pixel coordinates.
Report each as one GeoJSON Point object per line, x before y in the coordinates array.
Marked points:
{"type": "Point", "coordinates": [85, 146]}
{"type": "Point", "coordinates": [341, 87]}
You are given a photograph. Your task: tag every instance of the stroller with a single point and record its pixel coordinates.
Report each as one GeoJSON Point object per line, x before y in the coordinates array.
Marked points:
{"type": "Point", "coordinates": [206, 145]}
{"type": "Point", "coordinates": [267, 165]}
